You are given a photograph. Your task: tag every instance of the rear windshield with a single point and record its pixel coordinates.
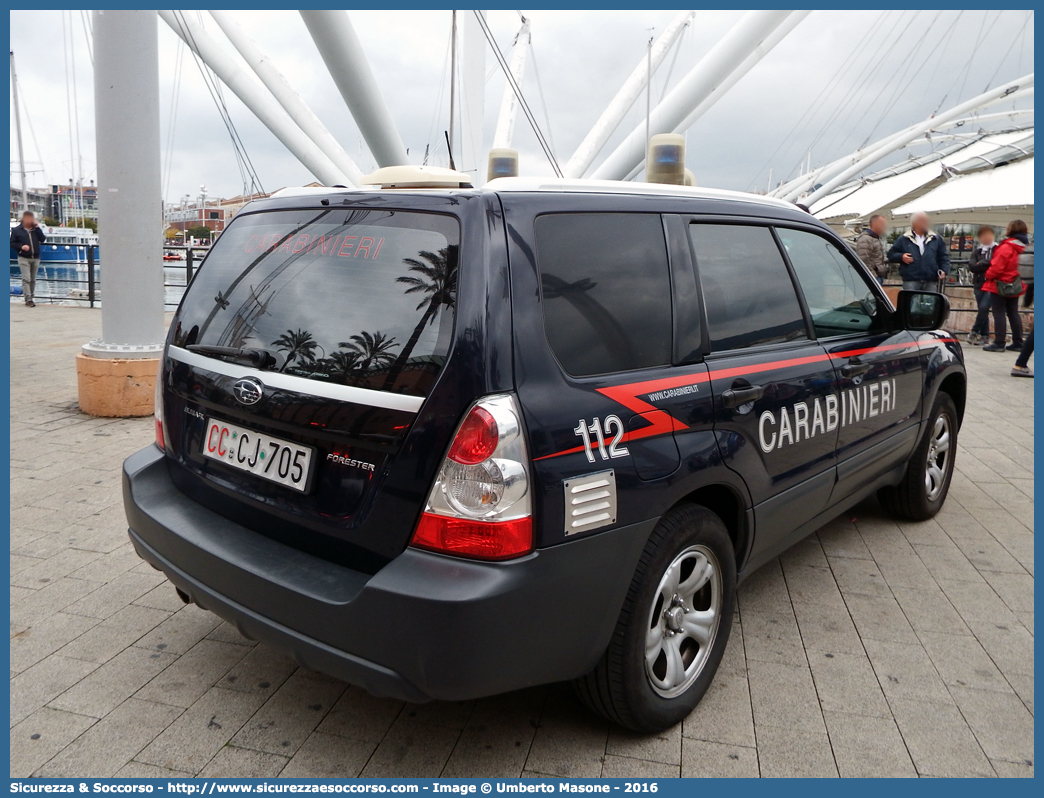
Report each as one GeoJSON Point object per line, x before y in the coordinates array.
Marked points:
{"type": "Point", "coordinates": [354, 297]}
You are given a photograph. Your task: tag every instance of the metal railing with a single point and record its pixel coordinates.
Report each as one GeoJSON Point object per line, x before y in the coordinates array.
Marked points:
{"type": "Point", "coordinates": [190, 268]}
{"type": "Point", "coordinates": [93, 283]}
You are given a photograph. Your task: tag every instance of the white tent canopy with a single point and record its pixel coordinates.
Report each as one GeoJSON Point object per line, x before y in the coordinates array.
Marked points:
{"type": "Point", "coordinates": [994, 196]}
{"type": "Point", "coordinates": [876, 196]}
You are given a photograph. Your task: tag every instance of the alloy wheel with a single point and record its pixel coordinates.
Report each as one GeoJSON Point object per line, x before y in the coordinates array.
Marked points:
{"type": "Point", "coordinates": [683, 621]}
{"type": "Point", "coordinates": [938, 459]}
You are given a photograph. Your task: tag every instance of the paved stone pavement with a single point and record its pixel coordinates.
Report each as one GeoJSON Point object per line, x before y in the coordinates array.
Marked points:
{"type": "Point", "coordinates": [871, 649]}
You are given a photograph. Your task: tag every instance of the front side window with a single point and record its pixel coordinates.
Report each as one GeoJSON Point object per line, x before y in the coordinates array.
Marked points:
{"type": "Point", "coordinates": [747, 290]}
{"type": "Point", "coordinates": [839, 299]}
{"type": "Point", "coordinates": [605, 286]}
{"type": "Point", "coordinates": [353, 297]}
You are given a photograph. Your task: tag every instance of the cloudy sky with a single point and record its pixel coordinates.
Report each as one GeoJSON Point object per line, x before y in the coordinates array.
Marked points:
{"type": "Point", "coordinates": [839, 79]}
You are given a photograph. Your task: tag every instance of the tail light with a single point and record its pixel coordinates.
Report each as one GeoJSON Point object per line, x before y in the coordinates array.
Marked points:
{"type": "Point", "coordinates": [157, 409]}
{"type": "Point", "coordinates": [480, 503]}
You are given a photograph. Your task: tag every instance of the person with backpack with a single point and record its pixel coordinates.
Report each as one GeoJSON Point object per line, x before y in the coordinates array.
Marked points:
{"type": "Point", "coordinates": [977, 265]}
{"type": "Point", "coordinates": [1005, 284]}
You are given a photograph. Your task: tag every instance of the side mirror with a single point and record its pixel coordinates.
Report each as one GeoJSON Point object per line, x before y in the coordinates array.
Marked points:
{"type": "Point", "coordinates": [922, 310]}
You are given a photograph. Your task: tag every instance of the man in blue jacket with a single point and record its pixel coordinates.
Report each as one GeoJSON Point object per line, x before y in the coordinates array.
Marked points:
{"type": "Point", "coordinates": [923, 257]}
{"type": "Point", "coordinates": [27, 240]}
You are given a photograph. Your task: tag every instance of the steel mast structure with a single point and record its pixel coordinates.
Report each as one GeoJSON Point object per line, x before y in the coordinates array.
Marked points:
{"type": "Point", "coordinates": [731, 51]}
{"type": "Point", "coordinates": [625, 98]}
{"type": "Point", "coordinates": [471, 108]}
{"type": "Point", "coordinates": [745, 66]}
{"type": "Point", "coordinates": [254, 96]}
{"type": "Point", "coordinates": [18, 133]}
{"type": "Point", "coordinates": [342, 52]}
{"type": "Point", "coordinates": [509, 104]}
{"type": "Point", "coordinates": [288, 98]}
{"type": "Point", "coordinates": [837, 172]}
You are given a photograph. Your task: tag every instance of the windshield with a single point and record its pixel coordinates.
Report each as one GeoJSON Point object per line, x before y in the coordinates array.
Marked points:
{"type": "Point", "coordinates": [353, 297]}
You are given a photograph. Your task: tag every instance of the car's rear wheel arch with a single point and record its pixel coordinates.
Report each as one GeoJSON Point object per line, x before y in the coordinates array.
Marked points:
{"type": "Point", "coordinates": [726, 503]}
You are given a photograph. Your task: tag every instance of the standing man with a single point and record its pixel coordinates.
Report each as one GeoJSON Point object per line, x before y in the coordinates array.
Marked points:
{"type": "Point", "coordinates": [870, 247]}
{"type": "Point", "coordinates": [923, 258]}
{"type": "Point", "coordinates": [26, 240]}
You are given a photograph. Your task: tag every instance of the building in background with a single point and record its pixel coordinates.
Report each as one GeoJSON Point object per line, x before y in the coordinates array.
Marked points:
{"type": "Point", "coordinates": [66, 205]}
{"type": "Point", "coordinates": [208, 214]}
{"type": "Point", "coordinates": [234, 205]}
{"type": "Point", "coordinates": [71, 203]}
{"type": "Point", "coordinates": [39, 202]}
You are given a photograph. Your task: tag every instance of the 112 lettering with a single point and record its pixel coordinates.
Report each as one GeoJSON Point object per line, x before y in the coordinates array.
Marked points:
{"type": "Point", "coordinates": [600, 431]}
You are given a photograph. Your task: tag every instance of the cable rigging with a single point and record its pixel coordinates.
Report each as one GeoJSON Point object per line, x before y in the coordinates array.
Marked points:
{"type": "Point", "coordinates": [87, 34]}
{"type": "Point", "coordinates": [518, 94]}
{"type": "Point", "coordinates": [251, 181]}
{"type": "Point", "coordinates": [540, 93]}
{"type": "Point", "coordinates": [899, 88]}
{"type": "Point", "coordinates": [429, 150]}
{"type": "Point", "coordinates": [1007, 52]}
{"type": "Point", "coordinates": [840, 125]}
{"type": "Point", "coordinates": [805, 119]}
{"type": "Point", "coordinates": [179, 63]}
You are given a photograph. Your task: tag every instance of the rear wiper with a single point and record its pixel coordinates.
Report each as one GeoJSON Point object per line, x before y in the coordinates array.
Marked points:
{"type": "Point", "coordinates": [258, 358]}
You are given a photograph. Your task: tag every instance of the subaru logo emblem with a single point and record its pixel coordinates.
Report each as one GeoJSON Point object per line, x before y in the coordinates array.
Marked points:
{"type": "Point", "coordinates": [248, 391]}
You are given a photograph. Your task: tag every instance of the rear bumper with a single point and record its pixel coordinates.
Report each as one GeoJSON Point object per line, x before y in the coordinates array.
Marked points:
{"type": "Point", "coordinates": [426, 626]}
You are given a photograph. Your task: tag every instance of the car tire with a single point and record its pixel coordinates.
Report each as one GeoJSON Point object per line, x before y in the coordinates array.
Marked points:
{"type": "Point", "coordinates": [673, 627]}
{"type": "Point", "coordinates": [926, 481]}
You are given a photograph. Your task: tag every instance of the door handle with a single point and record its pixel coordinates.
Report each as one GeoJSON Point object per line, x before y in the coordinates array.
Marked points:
{"type": "Point", "coordinates": [853, 368]}
{"type": "Point", "coordinates": [734, 397]}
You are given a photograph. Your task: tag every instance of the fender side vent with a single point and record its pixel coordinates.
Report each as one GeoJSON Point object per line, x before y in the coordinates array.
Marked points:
{"type": "Point", "coordinates": [590, 501]}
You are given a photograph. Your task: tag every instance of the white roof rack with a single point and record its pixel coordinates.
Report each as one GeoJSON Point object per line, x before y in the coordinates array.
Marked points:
{"type": "Point", "coordinates": [623, 187]}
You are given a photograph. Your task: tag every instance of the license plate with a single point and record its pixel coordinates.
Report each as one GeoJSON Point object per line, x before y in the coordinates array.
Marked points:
{"type": "Point", "coordinates": [271, 458]}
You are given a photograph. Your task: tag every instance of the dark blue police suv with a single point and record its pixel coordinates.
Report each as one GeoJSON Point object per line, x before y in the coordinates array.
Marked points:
{"type": "Point", "coordinates": [446, 442]}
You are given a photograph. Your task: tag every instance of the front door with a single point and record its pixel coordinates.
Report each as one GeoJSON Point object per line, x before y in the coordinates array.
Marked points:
{"type": "Point", "coordinates": [878, 370]}
{"type": "Point", "coordinates": [775, 405]}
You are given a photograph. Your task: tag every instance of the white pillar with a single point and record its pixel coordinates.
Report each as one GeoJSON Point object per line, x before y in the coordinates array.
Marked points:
{"type": "Point", "coordinates": [286, 96]}
{"type": "Point", "coordinates": [509, 104]}
{"type": "Point", "coordinates": [130, 213]}
{"type": "Point", "coordinates": [116, 374]}
{"type": "Point", "coordinates": [759, 52]}
{"type": "Point", "coordinates": [340, 48]}
{"type": "Point", "coordinates": [712, 70]}
{"type": "Point", "coordinates": [624, 99]}
{"type": "Point", "coordinates": [256, 98]}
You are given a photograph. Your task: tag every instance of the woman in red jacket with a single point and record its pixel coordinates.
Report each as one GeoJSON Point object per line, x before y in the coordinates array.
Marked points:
{"type": "Point", "coordinates": [1004, 267]}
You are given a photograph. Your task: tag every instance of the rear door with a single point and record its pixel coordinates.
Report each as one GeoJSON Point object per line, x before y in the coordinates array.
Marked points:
{"type": "Point", "coordinates": [353, 309]}
{"type": "Point", "coordinates": [775, 407]}
{"type": "Point", "coordinates": [600, 385]}
{"type": "Point", "coordinates": [879, 371]}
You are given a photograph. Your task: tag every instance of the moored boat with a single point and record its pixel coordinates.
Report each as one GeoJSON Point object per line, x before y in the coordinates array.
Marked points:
{"type": "Point", "coordinates": [65, 244]}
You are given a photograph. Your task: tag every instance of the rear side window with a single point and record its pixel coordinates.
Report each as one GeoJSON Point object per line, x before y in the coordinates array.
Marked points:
{"type": "Point", "coordinates": [747, 289]}
{"type": "Point", "coordinates": [605, 285]}
{"type": "Point", "coordinates": [352, 297]}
